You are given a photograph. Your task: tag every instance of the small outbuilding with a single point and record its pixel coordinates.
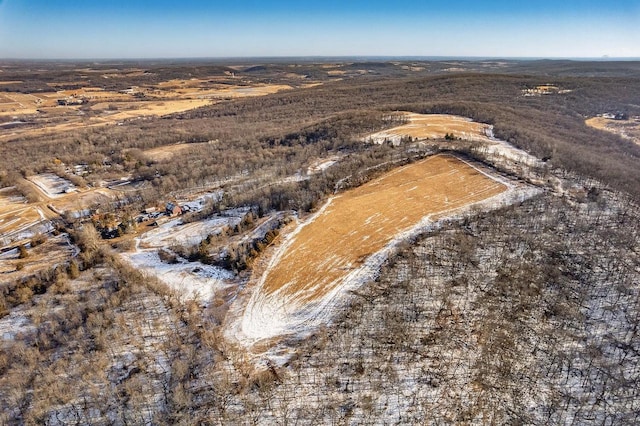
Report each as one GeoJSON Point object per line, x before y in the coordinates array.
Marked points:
{"type": "Point", "coordinates": [172, 209]}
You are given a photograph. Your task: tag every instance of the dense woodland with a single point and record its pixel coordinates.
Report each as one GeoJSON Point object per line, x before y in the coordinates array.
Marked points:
{"type": "Point", "coordinates": [525, 315]}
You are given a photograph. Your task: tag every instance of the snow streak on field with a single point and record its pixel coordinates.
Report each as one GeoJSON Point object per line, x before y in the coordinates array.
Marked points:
{"type": "Point", "coordinates": [344, 244]}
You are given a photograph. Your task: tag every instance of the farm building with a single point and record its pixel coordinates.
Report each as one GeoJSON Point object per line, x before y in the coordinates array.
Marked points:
{"type": "Point", "coordinates": [71, 101]}
{"type": "Point", "coordinates": [172, 209]}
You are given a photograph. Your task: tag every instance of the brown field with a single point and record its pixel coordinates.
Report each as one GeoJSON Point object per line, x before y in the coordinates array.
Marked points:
{"type": "Point", "coordinates": [434, 126]}
{"type": "Point", "coordinates": [110, 107]}
{"type": "Point", "coordinates": [132, 73]}
{"type": "Point", "coordinates": [148, 108]}
{"type": "Point", "coordinates": [246, 91]}
{"type": "Point", "coordinates": [174, 83]}
{"type": "Point", "coordinates": [362, 221]}
{"type": "Point", "coordinates": [213, 89]}
{"type": "Point", "coordinates": [545, 89]}
{"type": "Point", "coordinates": [92, 93]}
{"type": "Point", "coordinates": [85, 199]}
{"type": "Point", "coordinates": [50, 189]}
{"type": "Point", "coordinates": [23, 103]}
{"type": "Point", "coordinates": [16, 216]}
{"type": "Point", "coordinates": [163, 153]}
{"type": "Point", "coordinates": [54, 250]}
{"type": "Point", "coordinates": [132, 110]}
{"type": "Point", "coordinates": [19, 218]}
{"type": "Point", "coordinates": [628, 129]}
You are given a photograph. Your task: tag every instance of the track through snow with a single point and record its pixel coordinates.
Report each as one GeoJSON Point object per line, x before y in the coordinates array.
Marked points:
{"type": "Point", "coordinates": [190, 280]}
{"type": "Point", "coordinates": [344, 244]}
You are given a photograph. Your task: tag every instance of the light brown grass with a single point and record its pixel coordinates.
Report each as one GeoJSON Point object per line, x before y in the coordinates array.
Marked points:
{"type": "Point", "coordinates": [435, 126]}
{"type": "Point", "coordinates": [362, 221]}
{"type": "Point", "coordinates": [84, 199]}
{"type": "Point", "coordinates": [54, 251]}
{"type": "Point", "coordinates": [150, 108]}
{"type": "Point", "coordinates": [628, 129]}
{"type": "Point", "coordinates": [110, 107]}
{"type": "Point", "coordinates": [16, 214]}
{"type": "Point", "coordinates": [16, 217]}
{"type": "Point", "coordinates": [163, 153]}
{"type": "Point", "coordinates": [23, 103]}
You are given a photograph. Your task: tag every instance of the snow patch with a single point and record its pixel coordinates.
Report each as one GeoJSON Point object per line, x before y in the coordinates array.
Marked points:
{"type": "Point", "coordinates": [191, 280]}
{"type": "Point", "coordinates": [174, 232]}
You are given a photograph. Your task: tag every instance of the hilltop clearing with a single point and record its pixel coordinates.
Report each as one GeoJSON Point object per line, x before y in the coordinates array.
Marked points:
{"type": "Point", "coordinates": [341, 246]}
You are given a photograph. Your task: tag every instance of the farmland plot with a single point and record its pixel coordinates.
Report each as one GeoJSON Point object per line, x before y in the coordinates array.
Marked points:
{"type": "Point", "coordinates": [343, 244]}
{"type": "Point", "coordinates": [55, 250]}
{"type": "Point", "coordinates": [434, 126]}
{"type": "Point", "coordinates": [627, 129]}
{"type": "Point", "coordinates": [19, 220]}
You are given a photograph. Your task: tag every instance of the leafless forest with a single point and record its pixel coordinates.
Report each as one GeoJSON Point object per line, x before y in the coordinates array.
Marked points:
{"type": "Point", "coordinates": [525, 314]}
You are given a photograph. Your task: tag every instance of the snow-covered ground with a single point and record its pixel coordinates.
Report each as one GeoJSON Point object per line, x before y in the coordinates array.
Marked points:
{"type": "Point", "coordinates": [198, 203]}
{"type": "Point", "coordinates": [322, 164]}
{"type": "Point", "coordinates": [17, 322]}
{"type": "Point", "coordinates": [190, 280]}
{"type": "Point", "coordinates": [500, 148]}
{"type": "Point", "coordinates": [174, 232]}
{"type": "Point", "coordinates": [431, 126]}
{"type": "Point", "coordinates": [53, 185]}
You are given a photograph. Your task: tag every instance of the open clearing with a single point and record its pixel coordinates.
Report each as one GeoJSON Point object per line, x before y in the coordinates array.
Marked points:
{"type": "Point", "coordinates": [192, 280]}
{"type": "Point", "coordinates": [362, 221]}
{"type": "Point", "coordinates": [126, 110]}
{"type": "Point", "coordinates": [52, 185]}
{"type": "Point", "coordinates": [110, 113]}
{"type": "Point", "coordinates": [313, 264]}
{"type": "Point", "coordinates": [103, 107]}
{"type": "Point", "coordinates": [434, 126]}
{"type": "Point", "coordinates": [12, 103]}
{"type": "Point", "coordinates": [19, 220]}
{"type": "Point", "coordinates": [322, 164]}
{"type": "Point", "coordinates": [163, 153]}
{"type": "Point", "coordinates": [55, 250]}
{"type": "Point", "coordinates": [628, 129]}
{"type": "Point", "coordinates": [228, 91]}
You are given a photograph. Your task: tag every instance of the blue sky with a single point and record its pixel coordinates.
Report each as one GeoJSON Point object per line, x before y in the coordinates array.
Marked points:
{"type": "Point", "coordinates": [190, 28]}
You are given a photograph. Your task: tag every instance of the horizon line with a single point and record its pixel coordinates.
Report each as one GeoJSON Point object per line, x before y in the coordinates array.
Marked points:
{"type": "Point", "coordinates": [333, 57]}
